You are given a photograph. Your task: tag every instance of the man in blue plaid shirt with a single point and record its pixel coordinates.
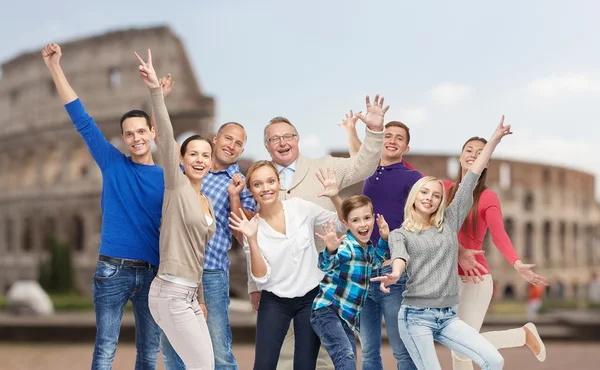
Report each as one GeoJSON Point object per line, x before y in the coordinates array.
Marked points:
{"type": "Point", "coordinates": [225, 186]}
{"type": "Point", "coordinates": [347, 263]}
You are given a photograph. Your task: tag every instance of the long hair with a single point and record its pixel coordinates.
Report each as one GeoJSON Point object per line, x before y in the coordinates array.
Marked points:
{"type": "Point", "coordinates": [479, 188]}
{"type": "Point", "coordinates": [412, 221]}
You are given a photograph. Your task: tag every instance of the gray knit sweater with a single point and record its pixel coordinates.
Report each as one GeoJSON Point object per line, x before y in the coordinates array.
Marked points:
{"type": "Point", "coordinates": [432, 256]}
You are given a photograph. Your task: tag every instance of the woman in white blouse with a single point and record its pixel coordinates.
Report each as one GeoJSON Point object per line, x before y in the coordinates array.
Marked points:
{"type": "Point", "coordinates": [283, 261]}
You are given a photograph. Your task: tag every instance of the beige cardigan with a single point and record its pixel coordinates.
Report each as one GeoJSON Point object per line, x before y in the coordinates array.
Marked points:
{"type": "Point", "coordinates": [184, 232]}
{"type": "Point", "coordinates": [349, 171]}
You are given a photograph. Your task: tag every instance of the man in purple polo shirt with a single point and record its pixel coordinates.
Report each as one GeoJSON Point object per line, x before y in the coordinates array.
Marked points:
{"type": "Point", "coordinates": [388, 189]}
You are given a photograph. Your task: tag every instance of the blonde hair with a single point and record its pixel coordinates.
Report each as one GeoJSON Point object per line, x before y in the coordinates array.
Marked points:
{"type": "Point", "coordinates": [412, 221]}
{"type": "Point", "coordinates": [255, 166]}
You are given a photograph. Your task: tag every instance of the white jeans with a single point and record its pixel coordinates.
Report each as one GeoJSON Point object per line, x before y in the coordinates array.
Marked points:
{"type": "Point", "coordinates": [474, 302]}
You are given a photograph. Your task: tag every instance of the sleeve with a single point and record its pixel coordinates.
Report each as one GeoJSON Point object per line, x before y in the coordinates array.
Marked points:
{"type": "Point", "coordinates": [328, 262]}
{"type": "Point", "coordinates": [493, 217]}
{"type": "Point", "coordinates": [321, 216]}
{"type": "Point", "coordinates": [382, 252]}
{"type": "Point", "coordinates": [101, 150]}
{"type": "Point", "coordinates": [169, 154]}
{"type": "Point", "coordinates": [351, 170]}
{"type": "Point", "coordinates": [253, 280]}
{"type": "Point", "coordinates": [248, 201]}
{"type": "Point", "coordinates": [397, 243]}
{"type": "Point", "coordinates": [458, 210]}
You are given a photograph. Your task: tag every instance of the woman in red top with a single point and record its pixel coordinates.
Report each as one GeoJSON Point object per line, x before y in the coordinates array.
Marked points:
{"type": "Point", "coordinates": [476, 286]}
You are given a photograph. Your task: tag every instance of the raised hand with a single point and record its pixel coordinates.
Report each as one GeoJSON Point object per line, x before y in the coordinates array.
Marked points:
{"type": "Point", "coordinates": [375, 113]}
{"type": "Point", "coordinates": [167, 84]}
{"type": "Point", "coordinates": [330, 186]}
{"type": "Point", "coordinates": [386, 281]}
{"type": "Point", "coordinates": [51, 54]}
{"type": "Point", "coordinates": [526, 273]}
{"type": "Point", "coordinates": [349, 123]}
{"type": "Point", "coordinates": [469, 264]}
{"type": "Point", "coordinates": [147, 71]}
{"type": "Point", "coordinates": [501, 131]}
{"type": "Point", "coordinates": [236, 185]}
{"type": "Point", "coordinates": [329, 236]}
{"type": "Point", "coordinates": [384, 228]}
{"type": "Point", "coordinates": [247, 227]}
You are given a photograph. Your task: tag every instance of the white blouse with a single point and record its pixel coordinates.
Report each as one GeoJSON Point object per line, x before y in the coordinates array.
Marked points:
{"type": "Point", "coordinates": [292, 259]}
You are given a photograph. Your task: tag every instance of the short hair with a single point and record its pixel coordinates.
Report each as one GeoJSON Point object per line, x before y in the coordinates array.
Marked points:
{"type": "Point", "coordinates": [223, 126]}
{"type": "Point", "coordinates": [278, 119]}
{"type": "Point", "coordinates": [187, 141]}
{"type": "Point", "coordinates": [401, 125]}
{"type": "Point", "coordinates": [135, 113]}
{"type": "Point", "coordinates": [255, 166]}
{"type": "Point", "coordinates": [412, 221]}
{"type": "Point", "coordinates": [354, 202]}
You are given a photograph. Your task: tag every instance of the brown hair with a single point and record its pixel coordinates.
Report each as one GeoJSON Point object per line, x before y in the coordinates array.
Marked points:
{"type": "Point", "coordinates": [354, 202]}
{"type": "Point", "coordinates": [275, 120]}
{"type": "Point", "coordinates": [401, 125]}
{"type": "Point", "coordinates": [255, 166]}
{"type": "Point", "coordinates": [479, 188]}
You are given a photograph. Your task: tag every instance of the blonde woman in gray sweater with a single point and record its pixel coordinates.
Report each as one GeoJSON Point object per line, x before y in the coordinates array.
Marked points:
{"type": "Point", "coordinates": [427, 247]}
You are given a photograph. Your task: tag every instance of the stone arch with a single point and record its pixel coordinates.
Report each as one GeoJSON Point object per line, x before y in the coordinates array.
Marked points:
{"type": "Point", "coordinates": [77, 233]}
{"type": "Point", "coordinates": [563, 242]}
{"type": "Point", "coordinates": [528, 201]}
{"type": "Point", "coordinates": [509, 292]}
{"type": "Point", "coordinates": [48, 232]}
{"type": "Point", "coordinates": [79, 161]}
{"type": "Point", "coordinates": [576, 251]}
{"type": "Point", "coordinates": [27, 237]}
{"type": "Point", "coordinates": [547, 242]}
{"type": "Point", "coordinates": [52, 166]}
{"type": "Point", "coordinates": [528, 251]}
{"type": "Point", "coordinates": [30, 170]}
{"type": "Point", "coordinates": [9, 234]}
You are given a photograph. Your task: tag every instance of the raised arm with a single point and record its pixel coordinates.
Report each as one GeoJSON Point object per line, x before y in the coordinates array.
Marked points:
{"type": "Point", "coordinates": [259, 268]}
{"type": "Point", "coordinates": [101, 150]}
{"type": "Point", "coordinates": [169, 152]}
{"type": "Point", "coordinates": [349, 124]}
{"type": "Point", "coordinates": [167, 85]}
{"type": "Point", "coordinates": [240, 201]}
{"type": "Point", "coordinates": [354, 169]}
{"type": "Point", "coordinates": [336, 253]}
{"type": "Point", "coordinates": [330, 190]}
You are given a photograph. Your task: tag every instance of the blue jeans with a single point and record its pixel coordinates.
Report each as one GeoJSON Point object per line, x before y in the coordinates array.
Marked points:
{"type": "Point", "coordinates": [376, 305]}
{"type": "Point", "coordinates": [216, 298]}
{"type": "Point", "coordinates": [112, 287]}
{"type": "Point", "coordinates": [337, 337]}
{"type": "Point", "coordinates": [419, 327]}
{"type": "Point", "coordinates": [272, 324]}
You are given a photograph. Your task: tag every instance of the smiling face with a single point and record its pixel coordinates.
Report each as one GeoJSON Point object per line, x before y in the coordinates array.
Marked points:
{"type": "Point", "coordinates": [229, 145]}
{"type": "Point", "coordinates": [395, 144]}
{"type": "Point", "coordinates": [263, 184]}
{"type": "Point", "coordinates": [197, 159]}
{"type": "Point", "coordinates": [470, 152]}
{"type": "Point", "coordinates": [137, 136]}
{"type": "Point", "coordinates": [282, 152]}
{"type": "Point", "coordinates": [360, 223]}
{"type": "Point", "coordinates": [428, 198]}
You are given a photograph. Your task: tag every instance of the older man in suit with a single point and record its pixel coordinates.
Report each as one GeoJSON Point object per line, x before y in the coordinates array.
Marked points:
{"type": "Point", "coordinates": [297, 175]}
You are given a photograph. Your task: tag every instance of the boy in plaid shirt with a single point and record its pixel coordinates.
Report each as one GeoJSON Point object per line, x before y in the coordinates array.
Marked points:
{"type": "Point", "coordinates": [347, 263]}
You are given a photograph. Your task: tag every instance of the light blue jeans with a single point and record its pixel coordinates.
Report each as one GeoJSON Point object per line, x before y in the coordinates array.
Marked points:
{"type": "Point", "coordinates": [419, 327]}
{"type": "Point", "coordinates": [216, 299]}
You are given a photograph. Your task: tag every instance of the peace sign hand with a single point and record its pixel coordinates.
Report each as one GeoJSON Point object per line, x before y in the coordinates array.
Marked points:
{"type": "Point", "coordinates": [501, 131]}
{"type": "Point", "coordinates": [375, 113]}
{"type": "Point", "coordinates": [147, 71]}
{"type": "Point", "coordinates": [329, 236]}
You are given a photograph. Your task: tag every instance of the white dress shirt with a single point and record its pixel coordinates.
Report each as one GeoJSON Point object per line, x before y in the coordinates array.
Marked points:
{"type": "Point", "coordinates": [286, 174]}
{"type": "Point", "coordinates": [292, 259]}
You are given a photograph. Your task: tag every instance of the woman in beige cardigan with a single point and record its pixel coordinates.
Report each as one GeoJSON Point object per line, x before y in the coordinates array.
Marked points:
{"type": "Point", "coordinates": [175, 297]}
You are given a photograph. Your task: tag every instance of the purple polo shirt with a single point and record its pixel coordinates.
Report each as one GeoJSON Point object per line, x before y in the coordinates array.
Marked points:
{"type": "Point", "coordinates": [388, 189]}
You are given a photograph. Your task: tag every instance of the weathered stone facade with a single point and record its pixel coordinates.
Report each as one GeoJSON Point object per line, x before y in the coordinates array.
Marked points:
{"type": "Point", "coordinates": [49, 183]}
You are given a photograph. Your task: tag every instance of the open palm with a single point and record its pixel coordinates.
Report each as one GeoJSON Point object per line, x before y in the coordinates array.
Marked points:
{"type": "Point", "coordinates": [375, 113]}
{"type": "Point", "coordinates": [329, 236]}
{"type": "Point", "coordinates": [247, 227]}
{"type": "Point", "coordinates": [329, 182]}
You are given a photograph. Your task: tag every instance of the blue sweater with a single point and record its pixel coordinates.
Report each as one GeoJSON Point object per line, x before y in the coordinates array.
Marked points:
{"type": "Point", "coordinates": [132, 195]}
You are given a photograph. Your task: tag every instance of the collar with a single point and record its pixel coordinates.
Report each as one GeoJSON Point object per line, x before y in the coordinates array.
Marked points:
{"type": "Point", "coordinates": [291, 166]}
{"type": "Point", "coordinates": [396, 166]}
{"type": "Point", "coordinates": [231, 170]}
{"type": "Point", "coordinates": [355, 242]}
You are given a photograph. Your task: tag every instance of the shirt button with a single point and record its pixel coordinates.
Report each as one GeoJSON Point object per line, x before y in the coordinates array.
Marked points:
{"type": "Point", "coordinates": [377, 178]}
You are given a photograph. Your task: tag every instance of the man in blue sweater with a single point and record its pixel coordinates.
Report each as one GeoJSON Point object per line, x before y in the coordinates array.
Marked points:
{"type": "Point", "coordinates": [132, 195]}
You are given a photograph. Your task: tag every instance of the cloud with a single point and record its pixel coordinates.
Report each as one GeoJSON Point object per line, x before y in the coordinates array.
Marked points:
{"type": "Point", "coordinates": [448, 93]}
{"type": "Point", "coordinates": [310, 142]}
{"type": "Point", "coordinates": [413, 115]}
{"type": "Point", "coordinates": [554, 86]}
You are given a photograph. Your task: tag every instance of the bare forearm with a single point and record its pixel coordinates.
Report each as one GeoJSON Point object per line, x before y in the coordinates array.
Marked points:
{"type": "Point", "coordinates": [337, 203]}
{"type": "Point", "coordinates": [65, 91]}
{"type": "Point", "coordinates": [398, 266]}
{"type": "Point", "coordinates": [259, 267]}
{"type": "Point", "coordinates": [235, 204]}
{"type": "Point", "coordinates": [481, 162]}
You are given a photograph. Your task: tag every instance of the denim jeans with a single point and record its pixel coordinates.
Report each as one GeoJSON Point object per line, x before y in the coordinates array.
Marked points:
{"type": "Point", "coordinates": [112, 287]}
{"type": "Point", "coordinates": [376, 305]}
{"type": "Point", "coordinates": [272, 324]}
{"type": "Point", "coordinates": [419, 327]}
{"type": "Point", "coordinates": [216, 298]}
{"type": "Point", "coordinates": [336, 336]}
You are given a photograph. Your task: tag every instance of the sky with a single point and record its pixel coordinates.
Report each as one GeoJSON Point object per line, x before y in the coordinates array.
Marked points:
{"type": "Point", "coordinates": [449, 70]}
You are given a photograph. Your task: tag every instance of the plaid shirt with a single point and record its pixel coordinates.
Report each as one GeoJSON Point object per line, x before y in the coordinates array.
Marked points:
{"type": "Point", "coordinates": [346, 282]}
{"type": "Point", "coordinates": [214, 185]}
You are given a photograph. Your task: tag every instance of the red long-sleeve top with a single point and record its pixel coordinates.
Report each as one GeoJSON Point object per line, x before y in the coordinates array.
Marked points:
{"type": "Point", "coordinates": [489, 215]}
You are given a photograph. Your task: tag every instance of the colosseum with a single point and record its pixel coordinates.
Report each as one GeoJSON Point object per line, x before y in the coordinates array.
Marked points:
{"type": "Point", "coordinates": [51, 186]}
